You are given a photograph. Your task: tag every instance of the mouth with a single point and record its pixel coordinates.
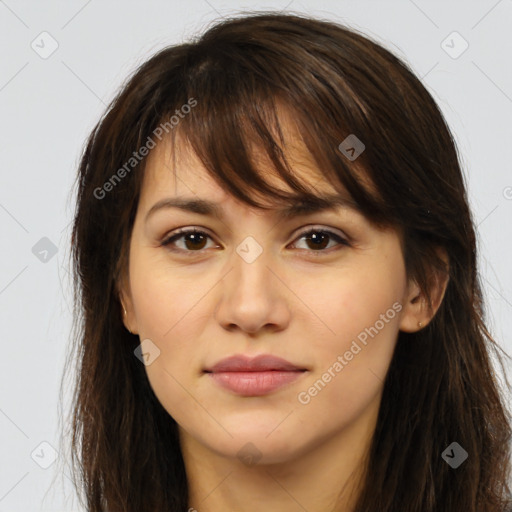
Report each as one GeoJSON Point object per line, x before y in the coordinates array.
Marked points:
{"type": "Point", "coordinates": [255, 383]}
{"type": "Point", "coordinates": [255, 376]}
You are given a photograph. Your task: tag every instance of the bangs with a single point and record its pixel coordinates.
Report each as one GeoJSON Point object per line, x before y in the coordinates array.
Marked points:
{"type": "Point", "coordinates": [234, 127]}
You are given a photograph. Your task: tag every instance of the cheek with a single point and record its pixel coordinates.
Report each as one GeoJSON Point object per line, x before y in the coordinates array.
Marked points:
{"type": "Point", "coordinates": [344, 303]}
{"type": "Point", "coordinates": [354, 319]}
{"type": "Point", "coordinates": [165, 299]}
{"type": "Point", "coordinates": [171, 313]}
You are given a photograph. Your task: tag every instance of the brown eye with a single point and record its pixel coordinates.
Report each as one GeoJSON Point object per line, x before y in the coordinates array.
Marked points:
{"type": "Point", "coordinates": [193, 240]}
{"type": "Point", "coordinates": [317, 240]}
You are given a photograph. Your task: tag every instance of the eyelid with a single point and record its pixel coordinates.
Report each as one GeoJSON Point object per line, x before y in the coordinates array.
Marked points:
{"type": "Point", "coordinates": [178, 233]}
{"type": "Point", "coordinates": [343, 239]}
{"type": "Point", "coordinates": [304, 230]}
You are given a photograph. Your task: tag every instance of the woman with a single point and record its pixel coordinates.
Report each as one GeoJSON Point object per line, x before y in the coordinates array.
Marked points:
{"type": "Point", "coordinates": [276, 269]}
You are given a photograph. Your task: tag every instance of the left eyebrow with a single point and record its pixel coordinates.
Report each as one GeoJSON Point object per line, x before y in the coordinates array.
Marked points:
{"type": "Point", "coordinates": [317, 205]}
{"type": "Point", "coordinates": [206, 207]}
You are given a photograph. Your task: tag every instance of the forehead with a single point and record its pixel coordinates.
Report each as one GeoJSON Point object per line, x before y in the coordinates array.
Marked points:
{"type": "Point", "coordinates": [175, 170]}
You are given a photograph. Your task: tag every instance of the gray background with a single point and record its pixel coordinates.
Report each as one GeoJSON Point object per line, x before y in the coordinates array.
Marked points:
{"type": "Point", "coordinates": [49, 105]}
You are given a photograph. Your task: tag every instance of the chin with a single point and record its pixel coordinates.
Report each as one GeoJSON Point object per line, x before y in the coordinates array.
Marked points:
{"type": "Point", "coordinates": [256, 448]}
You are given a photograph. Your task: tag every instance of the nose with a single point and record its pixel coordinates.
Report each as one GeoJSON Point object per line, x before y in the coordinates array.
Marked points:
{"type": "Point", "coordinates": [253, 297]}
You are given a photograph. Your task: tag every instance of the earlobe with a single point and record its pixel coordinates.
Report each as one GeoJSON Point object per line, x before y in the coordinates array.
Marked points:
{"type": "Point", "coordinates": [414, 311]}
{"type": "Point", "coordinates": [124, 316]}
{"type": "Point", "coordinates": [124, 296]}
{"type": "Point", "coordinates": [127, 315]}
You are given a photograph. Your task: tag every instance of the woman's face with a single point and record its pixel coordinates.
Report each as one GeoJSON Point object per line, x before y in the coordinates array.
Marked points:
{"type": "Point", "coordinates": [254, 284]}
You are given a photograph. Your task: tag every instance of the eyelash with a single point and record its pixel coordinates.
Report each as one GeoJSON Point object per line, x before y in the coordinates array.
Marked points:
{"type": "Point", "coordinates": [182, 232]}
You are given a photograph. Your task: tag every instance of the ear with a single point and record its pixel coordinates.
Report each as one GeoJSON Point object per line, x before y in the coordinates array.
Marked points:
{"type": "Point", "coordinates": [417, 311]}
{"type": "Point", "coordinates": [126, 305]}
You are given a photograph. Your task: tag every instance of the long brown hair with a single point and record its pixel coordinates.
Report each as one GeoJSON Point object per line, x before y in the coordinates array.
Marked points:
{"type": "Point", "coordinates": [441, 386]}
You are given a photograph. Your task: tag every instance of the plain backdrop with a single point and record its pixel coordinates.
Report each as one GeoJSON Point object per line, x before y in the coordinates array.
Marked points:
{"type": "Point", "coordinates": [62, 62]}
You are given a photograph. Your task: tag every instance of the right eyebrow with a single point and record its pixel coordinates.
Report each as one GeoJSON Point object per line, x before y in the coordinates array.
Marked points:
{"type": "Point", "coordinates": [200, 206]}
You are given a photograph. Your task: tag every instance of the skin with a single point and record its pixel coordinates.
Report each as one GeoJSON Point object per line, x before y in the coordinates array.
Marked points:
{"type": "Point", "coordinates": [308, 310]}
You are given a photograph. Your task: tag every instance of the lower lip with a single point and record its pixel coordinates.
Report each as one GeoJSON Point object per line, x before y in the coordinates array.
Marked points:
{"type": "Point", "coordinates": [255, 383]}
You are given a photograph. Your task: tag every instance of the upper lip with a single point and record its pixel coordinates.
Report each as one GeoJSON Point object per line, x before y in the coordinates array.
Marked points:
{"type": "Point", "coordinates": [263, 362]}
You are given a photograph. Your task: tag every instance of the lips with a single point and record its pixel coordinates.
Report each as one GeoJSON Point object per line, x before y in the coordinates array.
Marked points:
{"type": "Point", "coordinates": [254, 376]}
{"type": "Point", "coordinates": [261, 363]}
